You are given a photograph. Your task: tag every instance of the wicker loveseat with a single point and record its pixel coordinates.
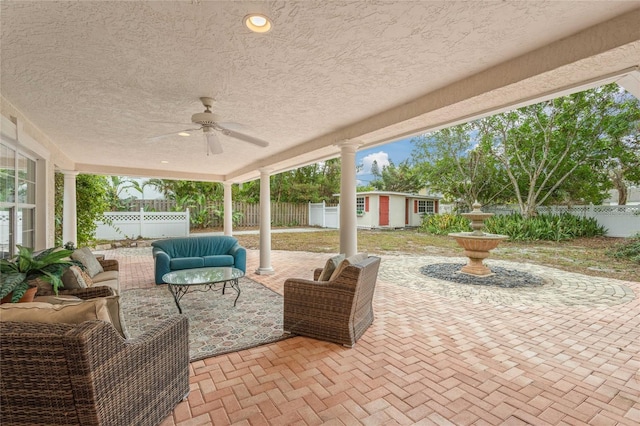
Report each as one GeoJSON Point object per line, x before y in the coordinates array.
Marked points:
{"type": "Point", "coordinates": [338, 310]}
{"type": "Point", "coordinates": [88, 374]}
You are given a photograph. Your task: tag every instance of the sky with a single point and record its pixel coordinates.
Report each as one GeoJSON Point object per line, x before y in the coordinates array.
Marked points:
{"type": "Point", "coordinates": [395, 151]}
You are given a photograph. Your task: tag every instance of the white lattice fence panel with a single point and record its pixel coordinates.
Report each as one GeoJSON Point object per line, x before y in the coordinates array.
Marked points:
{"type": "Point", "coordinates": [121, 225]}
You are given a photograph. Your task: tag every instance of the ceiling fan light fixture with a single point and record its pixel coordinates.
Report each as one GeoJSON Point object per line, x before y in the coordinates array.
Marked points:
{"type": "Point", "coordinates": [257, 23]}
{"type": "Point", "coordinates": [185, 134]}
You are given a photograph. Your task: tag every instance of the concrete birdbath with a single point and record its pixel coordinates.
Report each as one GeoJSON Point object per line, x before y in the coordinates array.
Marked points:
{"type": "Point", "coordinates": [477, 244]}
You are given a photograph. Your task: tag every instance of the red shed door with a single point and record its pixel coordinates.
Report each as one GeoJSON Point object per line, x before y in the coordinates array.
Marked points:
{"type": "Point", "coordinates": [384, 210]}
{"type": "Point", "coordinates": [406, 211]}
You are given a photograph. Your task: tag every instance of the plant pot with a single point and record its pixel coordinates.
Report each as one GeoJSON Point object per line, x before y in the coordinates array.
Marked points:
{"type": "Point", "coordinates": [28, 296]}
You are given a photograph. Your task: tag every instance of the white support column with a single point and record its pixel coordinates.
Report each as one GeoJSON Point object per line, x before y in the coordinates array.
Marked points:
{"type": "Point", "coordinates": [228, 209]}
{"type": "Point", "coordinates": [69, 205]}
{"type": "Point", "coordinates": [348, 218]}
{"type": "Point", "coordinates": [265, 224]}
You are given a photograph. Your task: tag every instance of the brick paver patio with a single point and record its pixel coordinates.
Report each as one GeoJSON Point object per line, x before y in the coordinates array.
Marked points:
{"type": "Point", "coordinates": [436, 354]}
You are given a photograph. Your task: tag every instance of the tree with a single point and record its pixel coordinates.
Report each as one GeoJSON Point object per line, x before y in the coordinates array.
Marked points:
{"type": "Point", "coordinates": [623, 165]}
{"type": "Point", "coordinates": [375, 169]}
{"type": "Point", "coordinates": [115, 188]}
{"type": "Point", "coordinates": [403, 178]}
{"type": "Point", "coordinates": [91, 200]}
{"type": "Point", "coordinates": [549, 150]}
{"type": "Point", "coordinates": [313, 183]}
{"type": "Point", "coordinates": [452, 162]}
{"type": "Point", "coordinates": [191, 195]}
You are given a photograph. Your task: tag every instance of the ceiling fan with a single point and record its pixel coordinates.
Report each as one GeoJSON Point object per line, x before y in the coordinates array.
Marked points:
{"type": "Point", "coordinates": [210, 127]}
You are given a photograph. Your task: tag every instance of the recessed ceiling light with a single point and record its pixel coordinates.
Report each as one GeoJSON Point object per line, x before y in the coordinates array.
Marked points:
{"type": "Point", "coordinates": [184, 134]}
{"type": "Point", "coordinates": [164, 162]}
{"type": "Point", "coordinates": [257, 23]}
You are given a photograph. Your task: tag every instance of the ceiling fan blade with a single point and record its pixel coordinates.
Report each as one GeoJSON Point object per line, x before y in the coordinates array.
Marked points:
{"type": "Point", "coordinates": [213, 143]}
{"type": "Point", "coordinates": [243, 137]}
{"type": "Point", "coordinates": [174, 133]}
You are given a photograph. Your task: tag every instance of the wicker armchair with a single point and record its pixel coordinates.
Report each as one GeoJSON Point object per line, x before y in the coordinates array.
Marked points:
{"type": "Point", "coordinates": [87, 374]}
{"type": "Point", "coordinates": [339, 310]}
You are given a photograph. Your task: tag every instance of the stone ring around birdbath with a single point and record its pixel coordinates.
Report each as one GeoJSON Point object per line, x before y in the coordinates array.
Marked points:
{"type": "Point", "coordinates": [477, 244]}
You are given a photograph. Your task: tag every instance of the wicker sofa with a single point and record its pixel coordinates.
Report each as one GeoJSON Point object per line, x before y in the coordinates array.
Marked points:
{"type": "Point", "coordinates": [88, 374]}
{"type": "Point", "coordinates": [338, 310]}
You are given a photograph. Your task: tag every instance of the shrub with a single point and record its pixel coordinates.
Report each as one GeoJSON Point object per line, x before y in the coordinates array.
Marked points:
{"type": "Point", "coordinates": [443, 224]}
{"type": "Point", "coordinates": [550, 227]}
{"type": "Point", "coordinates": [630, 249]}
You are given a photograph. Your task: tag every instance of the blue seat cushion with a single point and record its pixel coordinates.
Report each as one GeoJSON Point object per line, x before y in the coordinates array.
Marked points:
{"type": "Point", "coordinates": [219, 260]}
{"type": "Point", "coordinates": [186, 263]}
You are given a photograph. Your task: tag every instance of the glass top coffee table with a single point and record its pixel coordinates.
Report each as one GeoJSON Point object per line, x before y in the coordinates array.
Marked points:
{"type": "Point", "coordinates": [202, 279]}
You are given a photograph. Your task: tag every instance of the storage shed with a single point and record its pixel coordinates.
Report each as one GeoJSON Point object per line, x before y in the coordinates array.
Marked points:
{"type": "Point", "coordinates": [383, 209]}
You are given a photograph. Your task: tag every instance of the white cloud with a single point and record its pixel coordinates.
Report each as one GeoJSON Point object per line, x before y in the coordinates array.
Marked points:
{"type": "Point", "coordinates": [382, 158]}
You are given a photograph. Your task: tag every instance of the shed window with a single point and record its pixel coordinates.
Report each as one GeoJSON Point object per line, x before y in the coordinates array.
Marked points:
{"type": "Point", "coordinates": [426, 206]}
{"type": "Point", "coordinates": [360, 204]}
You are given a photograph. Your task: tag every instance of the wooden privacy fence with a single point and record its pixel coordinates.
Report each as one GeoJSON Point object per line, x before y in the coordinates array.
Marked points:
{"type": "Point", "coordinates": [248, 214]}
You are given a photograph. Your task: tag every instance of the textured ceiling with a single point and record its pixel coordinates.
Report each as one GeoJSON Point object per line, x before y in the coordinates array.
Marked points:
{"type": "Point", "coordinates": [101, 79]}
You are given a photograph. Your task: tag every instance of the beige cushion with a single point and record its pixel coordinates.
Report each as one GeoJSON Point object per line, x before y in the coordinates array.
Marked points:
{"type": "Point", "coordinates": [330, 266]}
{"type": "Point", "coordinates": [105, 276]}
{"type": "Point", "coordinates": [351, 260]}
{"type": "Point", "coordinates": [101, 308]}
{"type": "Point", "coordinates": [88, 260]}
{"type": "Point", "coordinates": [74, 277]}
{"type": "Point", "coordinates": [72, 313]}
{"type": "Point", "coordinates": [116, 315]}
{"type": "Point", "coordinates": [58, 300]}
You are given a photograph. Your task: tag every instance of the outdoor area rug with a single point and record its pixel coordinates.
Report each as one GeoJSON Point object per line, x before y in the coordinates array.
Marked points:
{"type": "Point", "coordinates": [216, 327]}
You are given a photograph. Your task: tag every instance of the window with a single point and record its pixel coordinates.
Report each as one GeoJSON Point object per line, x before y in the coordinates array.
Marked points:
{"type": "Point", "coordinates": [360, 205]}
{"type": "Point", "coordinates": [17, 200]}
{"type": "Point", "coordinates": [426, 206]}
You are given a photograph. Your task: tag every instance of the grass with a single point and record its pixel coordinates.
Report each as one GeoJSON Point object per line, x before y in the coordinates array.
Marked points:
{"type": "Point", "coordinates": [586, 256]}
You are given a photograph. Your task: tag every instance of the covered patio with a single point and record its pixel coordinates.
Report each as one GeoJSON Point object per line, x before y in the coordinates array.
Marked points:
{"type": "Point", "coordinates": [119, 88]}
{"type": "Point", "coordinates": [429, 358]}
{"type": "Point", "coordinates": [105, 87]}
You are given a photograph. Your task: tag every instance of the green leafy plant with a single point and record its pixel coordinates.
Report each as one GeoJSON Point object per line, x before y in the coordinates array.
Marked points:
{"type": "Point", "coordinates": [48, 265]}
{"type": "Point", "coordinates": [443, 224]}
{"type": "Point", "coordinates": [547, 227]}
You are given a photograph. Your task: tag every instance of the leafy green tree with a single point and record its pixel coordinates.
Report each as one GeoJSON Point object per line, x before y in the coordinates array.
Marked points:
{"type": "Point", "coordinates": [623, 164]}
{"type": "Point", "coordinates": [453, 163]}
{"type": "Point", "coordinates": [181, 190]}
{"type": "Point", "coordinates": [195, 196]}
{"type": "Point", "coordinates": [549, 150]}
{"type": "Point", "coordinates": [92, 200]}
{"type": "Point", "coordinates": [117, 185]}
{"type": "Point", "coordinates": [401, 178]}
{"type": "Point", "coordinates": [313, 183]}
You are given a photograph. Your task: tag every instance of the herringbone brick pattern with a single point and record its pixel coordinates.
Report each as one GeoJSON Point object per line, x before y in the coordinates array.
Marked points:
{"type": "Point", "coordinates": [428, 360]}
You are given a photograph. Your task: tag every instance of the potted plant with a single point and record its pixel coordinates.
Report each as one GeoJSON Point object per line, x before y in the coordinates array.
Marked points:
{"type": "Point", "coordinates": [48, 265]}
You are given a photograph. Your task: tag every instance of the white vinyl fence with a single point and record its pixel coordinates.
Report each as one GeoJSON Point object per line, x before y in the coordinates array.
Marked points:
{"type": "Point", "coordinates": [620, 221]}
{"type": "Point", "coordinates": [323, 216]}
{"type": "Point", "coordinates": [122, 225]}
